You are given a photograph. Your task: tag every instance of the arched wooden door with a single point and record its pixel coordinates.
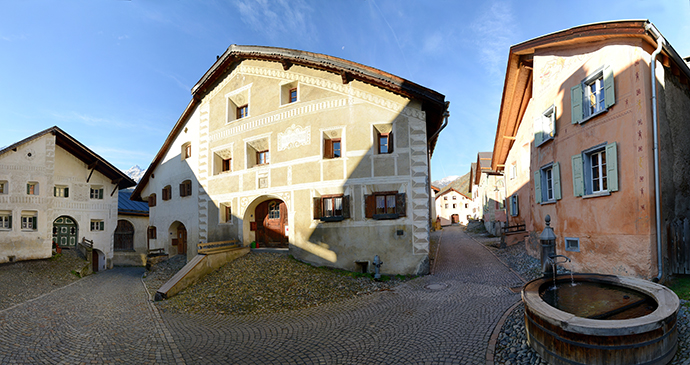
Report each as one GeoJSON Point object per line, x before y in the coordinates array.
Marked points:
{"type": "Point", "coordinates": [271, 220]}
{"type": "Point", "coordinates": [124, 236]}
{"type": "Point", "coordinates": [181, 240]}
{"type": "Point", "coordinates": [65, 232]}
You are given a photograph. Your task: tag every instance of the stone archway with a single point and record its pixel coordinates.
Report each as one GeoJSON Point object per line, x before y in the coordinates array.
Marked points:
{"type": "Point", "coordinates": [266, 222]}
{"type": "Point", "coordinates": [178, 232]}
{"type": "Point", "coordinates": [65, 232]}
{"type": "Point", "coordinates": [124, 236]}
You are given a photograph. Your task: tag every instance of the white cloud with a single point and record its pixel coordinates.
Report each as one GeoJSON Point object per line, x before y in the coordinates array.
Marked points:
{"type": "Point", "coordinates": [493, 30]}
{"type": "Point", "coordinates": [276, 18]}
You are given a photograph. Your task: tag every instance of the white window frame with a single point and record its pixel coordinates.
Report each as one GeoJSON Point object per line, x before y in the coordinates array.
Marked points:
{"type": "Point", "coordinates": [4, 187]}
{"type": "Point", "coordinates": [572, 244]}
{"type": "Point", "coordinates": [29, 221]}
{"type": "Point", "coordinates": [98, 190]}
{"type": "Point", "coordinates": [604, 96]}
{"type": "Point", "coordinates": [97, 225]}
{"type": "Point", "coordinates": [5, 220]}
{"type": "Point", "coordinates": [543, 183]}
{"type": "Point", "coordinates": [35, 185]}
{"type": "Point", "coordinates": [61, 191]}
{"type": "Point", "coordinates": [545, 126]}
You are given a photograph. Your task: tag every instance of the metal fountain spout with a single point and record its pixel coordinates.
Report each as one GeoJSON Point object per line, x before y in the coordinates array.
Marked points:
{"type": "Point", "coordinates": [553, 259]}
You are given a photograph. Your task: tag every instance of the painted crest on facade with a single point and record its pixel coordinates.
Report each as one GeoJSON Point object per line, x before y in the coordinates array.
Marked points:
{"type": "Point", "coordinates": [294, 136]}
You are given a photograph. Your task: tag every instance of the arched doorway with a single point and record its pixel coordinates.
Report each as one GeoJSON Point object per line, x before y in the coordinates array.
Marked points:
{"type": "Point", "coordinates": [97, 260]}
{"type": "Point", "coordinates": [271, 221]}
{"type": "Point", "coordinates": [124, 236]}
{"type": "Point", "coordinates": [179, 240]}
{"type": "Point", "coordinates": [65, 232]}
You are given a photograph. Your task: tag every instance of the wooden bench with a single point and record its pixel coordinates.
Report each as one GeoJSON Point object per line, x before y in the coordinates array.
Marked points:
{"type": "Point", "coordinates": [216, 247]}
{"type": "Point", "coordinates": [156, 252]}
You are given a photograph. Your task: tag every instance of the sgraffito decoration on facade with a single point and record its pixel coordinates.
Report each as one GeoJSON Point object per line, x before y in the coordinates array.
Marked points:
{"type": "Point", "coordinates": [294, 136]}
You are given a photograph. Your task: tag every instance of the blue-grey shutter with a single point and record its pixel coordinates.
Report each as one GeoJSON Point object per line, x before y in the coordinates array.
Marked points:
{"type": "Point", "coordinates": [609, 93]}
{"type": "Point", "coordinates": [538, 135]}
{"type": "Point", "coordinates": [556, 169]}
{"type": "Point", "coordinates": [576, 104]}
{"type": "Point", "coordinates": [537, 186]}
{"type": "Point", "coordinates": [515, 201]}
{"type": "Point", "coordinates": [578, 182]}
{"type": "Point", "coordinates": [612, 166]}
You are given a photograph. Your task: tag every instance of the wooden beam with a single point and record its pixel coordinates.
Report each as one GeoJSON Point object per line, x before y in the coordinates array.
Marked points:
{"type": "Point", "coordinates": [665, 60]}
{"type": "Point", "coordinates": [346, 77]}
{"type": "Point", "coordinates": [92, 167]}
{"type": "Point", "coordinates": [286, 64]}
{"type": "Point", "coordinates": [509, 137]}
{"type": "Point", "coordinates": [117, 184]}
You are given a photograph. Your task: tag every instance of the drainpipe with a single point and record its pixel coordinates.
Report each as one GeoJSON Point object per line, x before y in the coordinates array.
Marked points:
{"type": "Point", "coordinates": [660, 43]}
{"type": "Point", "coordinates": [446, 114]}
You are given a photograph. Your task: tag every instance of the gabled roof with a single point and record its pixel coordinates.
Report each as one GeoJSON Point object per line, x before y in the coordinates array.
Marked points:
{"type": "Point", "coordinates": [449, 190]}
{"type": "Point", "coordinates": [517, 88]}
{"type": "Point", "coordinates": [435, 188]}
{"type": "Point", "coordinates": [131, 207]}
{"type": "Point", "coordinates": [460, 185]}
{"type": "Point", "coordinates": [78, 150]}
{"type": "Point", "coordinates": [433, 103]}
{"type": "Point", "coordinates": [483, 165]}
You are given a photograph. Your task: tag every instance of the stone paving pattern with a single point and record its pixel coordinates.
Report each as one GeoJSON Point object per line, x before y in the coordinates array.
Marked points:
{"type": "Point", "coordinates": [108, 318]}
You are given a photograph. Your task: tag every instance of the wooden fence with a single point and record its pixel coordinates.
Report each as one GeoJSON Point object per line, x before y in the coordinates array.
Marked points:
{"type": "Point", "coordinates": [216, 247]}
{"type": "Point", "coordinates": [678, 237]}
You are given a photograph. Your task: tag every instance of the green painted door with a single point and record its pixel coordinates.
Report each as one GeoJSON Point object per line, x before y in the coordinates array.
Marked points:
{"type": "Point", "coordinates": [65, 232]}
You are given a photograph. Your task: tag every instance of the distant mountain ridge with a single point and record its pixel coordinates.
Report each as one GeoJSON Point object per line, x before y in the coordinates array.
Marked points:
{"type": "Point", "coordinates": [135, 173]}
{"type": "Point", "coordinates": [445, 181]}
{"type": "Point", "coordinates": [461, 185]}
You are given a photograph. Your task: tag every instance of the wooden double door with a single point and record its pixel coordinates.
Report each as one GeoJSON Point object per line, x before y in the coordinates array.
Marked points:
{"type": "Point", "coordinates": [180, 240]}
{"type": "Point", "coordinates": [271, 223]}
{"type": "Point", "coordinates": [65, 232]}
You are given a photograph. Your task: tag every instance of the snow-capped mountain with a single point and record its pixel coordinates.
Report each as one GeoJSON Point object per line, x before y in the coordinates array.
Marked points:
{"type": "Point", "coordinates": [135, 173]}
{"type": "Point", "coordinates": [445, 181]}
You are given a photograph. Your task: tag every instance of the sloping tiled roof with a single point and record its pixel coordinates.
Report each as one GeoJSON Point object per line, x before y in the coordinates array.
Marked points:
{"type": "Point", "coordinates": [127, 206]}
{"type": "Point", "coordinates": [461, 185]}
{"type": "Point", "coordinates": [433, 103]}
{"type": "Point", "coordinates": [78, 150]}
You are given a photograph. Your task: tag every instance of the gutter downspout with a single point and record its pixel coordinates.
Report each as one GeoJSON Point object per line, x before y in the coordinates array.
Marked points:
{"type": "Point", "coordinates": [660, 43]}
{"type": "Point", "coordinates": [446, 114]}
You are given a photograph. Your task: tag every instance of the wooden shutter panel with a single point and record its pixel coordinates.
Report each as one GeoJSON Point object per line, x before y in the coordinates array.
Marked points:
{"type": "Point", "coordinates": [537, 186]}
{"type": "Point", "coordinates": [576, 104]}
{"type": "Point", "coordinates": [346, 206]}
{"type": "Point", "coordinates": [390, 142]}
{"type": "Point", "coordinates": [550, 124]}
{"type": "Point", "coordinates": [100, 193]}
{"type": "Point", "coordinates": [538, 135]}
{"type": "Point", "coordinates": [556, 169]}
{"type": "Point", "coordinates": [328, 148]}
{"type": "Point", "coordinates": [609, 92]}
{"type": "Point", "coordinates": [66, 192]}
{"type": "Point", "coordinates": [400, 206]}
{"type": "Point", "coordinates": [9, 219]}
{"type": "Point", "coordinates": [28, 189]}
{"type": "Point", "coordinates": [515, 197]}
{"type": "Point", "coordinates": [34, 224]}
{"type": "Point", "coordinates": [317, 208]}
{"type": "Point", "coordinates": [612, 166]}
{"type": "Point", "coordinates": [54, 190]}
{"type": "Point", "coordinates": [369, 205]}
{"type": "Point", "coordinates": [101, 226]}
{"type": "Point", "coordinates": [578, 182]}
{"type": "Point", "coordinates": [183, 190]}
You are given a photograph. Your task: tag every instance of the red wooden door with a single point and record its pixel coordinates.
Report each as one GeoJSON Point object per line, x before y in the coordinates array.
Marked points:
{"type": "Point", "coordinates": [271, 219]}
{"type": "Point", "coordinates": [181, 240]}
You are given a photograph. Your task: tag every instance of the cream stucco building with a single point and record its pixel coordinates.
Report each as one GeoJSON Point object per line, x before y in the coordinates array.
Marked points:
{"type": "Point", "coordinates": [294, 149]}
{"type": "Point", "coordinates": [56, 191]}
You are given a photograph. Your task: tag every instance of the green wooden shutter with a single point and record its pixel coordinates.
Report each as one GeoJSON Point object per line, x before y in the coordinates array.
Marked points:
{"type": "Point", "coordinates": [66, 192]}
{"type": "Point", "coordinates": [556, 169]}
{"type": "Point", "coordinates": [101, 225]}
{"type": "Point", "coordinates": [576, 104]}
{"type": "Point", "coordinates": [390, 142]}
{"type": "Point", "coordinates": [612, 166]}
{"type": "Point", "coordinates": [34, 224]}
{"type": "Point", "coordinates": [9, 219]}
{"type": "Point", "coordinates": [609, 92]}
{"type": "Point", "coordinates": [100, 193]}
{"type": "Point", "coordinates": [28, 189]}
{"type": "Point", "coordinates": [537, 186]}
{"type": "Point", "coordinates": [538, 135]}
{"type": "Point", "coordinates": [578, 182]}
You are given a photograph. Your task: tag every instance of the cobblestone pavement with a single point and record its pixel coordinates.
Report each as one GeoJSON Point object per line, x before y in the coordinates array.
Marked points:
{"type": "Point", "coordinates": [103, 318]}
{"type": "Point", "coordinates": [411, 324]}
{"type": "Point", "coordinates": [444, 318]}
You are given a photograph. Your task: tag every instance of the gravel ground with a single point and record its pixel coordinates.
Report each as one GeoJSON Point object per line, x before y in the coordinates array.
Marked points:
{"type": "Point", "coordinates": [24, 280]}
{"type": "Point", "coordinates": [262, 283]}
{"type": "Point", "coordinates": [511, 345]}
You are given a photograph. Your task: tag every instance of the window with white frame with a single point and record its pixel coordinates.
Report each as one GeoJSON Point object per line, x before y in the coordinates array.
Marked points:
{"type": "Point", "coordinates": [258, 152]}
{"type": "Point", "coordinates": [594, 95]}
{"type": "Point", "coordinates": [226, 213]}
{"type": "Point", "coordinates": [32, 188]}
{"type": "Point", "coordinates": [333, 143]}
{"type": "Point", "coordinates": [97, 225]}
{"type": "Point", "coordinates": [545, 126]}
{"type": "Point", "coordinates": [595, 171]}
{"type": "Point", "coordinates": [4, 187]}
{"type": "Point", "coordinates": [288, 93]}
{"type": "Point", "coordinates": [547, 183]}
{"type": "Point", "coordinates": [238, 103]}
{"type": "Point", "coordinates": [222, 160]}
{"type": "Point", "coordinates": [383, 139]}
{"type": "Point", "coordinates": [61, 191]}
{"type": "Point", "coordinates": [572, 244]}
{"type": "Point", "coordinates": [5, 220]}
{"type": "Point", "coordinates": [29, 221]}
{"type": "Point", "coordinates": [332, 208]}
{"type": "Point", "coordinates": [96, 192]}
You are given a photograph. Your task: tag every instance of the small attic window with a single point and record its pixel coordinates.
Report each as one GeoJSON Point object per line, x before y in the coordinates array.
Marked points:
{"type": "Point", "coordinates": [289, 93]}
{"type": "Point", "coordinates": [186, 151]}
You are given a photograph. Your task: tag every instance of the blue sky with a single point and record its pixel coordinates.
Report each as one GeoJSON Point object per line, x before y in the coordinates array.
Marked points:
{"type": "Point", "coordinates": [117, 74]}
